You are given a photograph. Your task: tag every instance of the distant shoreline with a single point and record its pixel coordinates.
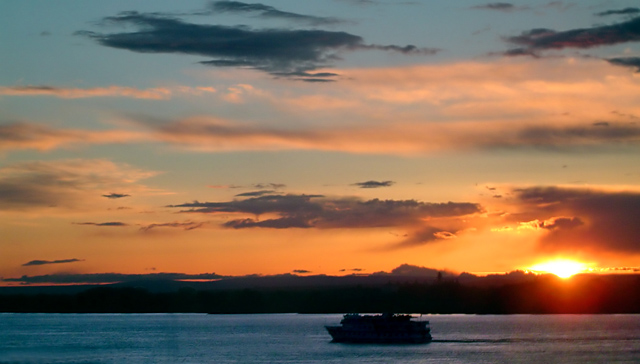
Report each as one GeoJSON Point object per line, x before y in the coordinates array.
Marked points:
{"type": "Point", "coordinates": [586, 295]}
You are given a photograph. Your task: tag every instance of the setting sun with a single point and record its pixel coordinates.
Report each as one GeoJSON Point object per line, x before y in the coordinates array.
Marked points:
{"type": "Point", "coordinates": [563, 268]}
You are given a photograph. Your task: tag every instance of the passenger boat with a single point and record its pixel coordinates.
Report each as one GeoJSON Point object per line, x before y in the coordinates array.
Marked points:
{"type": "Point", "coordinates": [385, 328]}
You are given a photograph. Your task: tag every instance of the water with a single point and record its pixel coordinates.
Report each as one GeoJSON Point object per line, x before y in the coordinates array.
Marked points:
{"type": "Point", "coordinates": [199, 338]}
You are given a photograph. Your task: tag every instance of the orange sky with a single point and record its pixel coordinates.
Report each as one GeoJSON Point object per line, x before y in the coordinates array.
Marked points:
{"type": "Point", "coordinates": [455, 137]}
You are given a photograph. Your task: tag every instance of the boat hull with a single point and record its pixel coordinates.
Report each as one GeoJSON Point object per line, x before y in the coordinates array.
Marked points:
{"type": "Point", "coordinates": [341, 335]}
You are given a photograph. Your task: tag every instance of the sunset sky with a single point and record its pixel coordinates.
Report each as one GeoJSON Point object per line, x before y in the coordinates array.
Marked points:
{"type": "Point", "coordinates": [317, 137]}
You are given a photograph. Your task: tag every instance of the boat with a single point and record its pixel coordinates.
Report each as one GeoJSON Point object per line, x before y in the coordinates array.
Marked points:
{"type": "Point", "coordinates": [378, 329]}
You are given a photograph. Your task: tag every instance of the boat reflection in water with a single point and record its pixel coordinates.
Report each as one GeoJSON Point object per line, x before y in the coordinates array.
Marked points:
{"type": "Point", "coordinates": [385, 328]}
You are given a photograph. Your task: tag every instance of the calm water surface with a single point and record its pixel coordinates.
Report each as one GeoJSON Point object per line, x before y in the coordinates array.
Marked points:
{"type": "Point", "coordinates": [291, 338]}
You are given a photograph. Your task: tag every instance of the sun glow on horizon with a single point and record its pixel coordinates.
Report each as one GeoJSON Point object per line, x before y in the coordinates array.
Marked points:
{"type": "Point", "coordinates": [563, 268]}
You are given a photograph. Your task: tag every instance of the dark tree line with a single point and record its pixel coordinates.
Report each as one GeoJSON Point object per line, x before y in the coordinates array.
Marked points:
{"type": "Point", "coordinates": [596, 294]}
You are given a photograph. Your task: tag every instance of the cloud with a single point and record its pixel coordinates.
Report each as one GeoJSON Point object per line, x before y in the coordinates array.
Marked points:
{"type": "Point", "coordinates": [550, 104]}
{"type": "Point", "coordinates": [562, 223]}
{"type": "Point", "coordinates": [496, 6]}
{"type": "Point", "coordinates": [539, 39]}
{"type": "Point", "coordinates": [286, 204]}
{"type": "Point", "coordinates": [65, 184]}
{"type": "Point", "coordinates": [584, 219]}
{"type": "Point", "coordinates": [116, 195]}
{"type": "Point", "coordinates": [267, 11]}
{"type": "Point", "coordinates": [317, 211]}
{"type": "Point", "coordinates": [101, 278]}
{"type": "Point", "coordinates": [280, 223]}
{"type": "Point", "coordinates": [275, 186]}
{"type": "Point", "coordinates": [45, 262]}
{"type": "Point", "coordinates": [255, 193]}
{"type": "Point", "coordinates": [77, 93]}
{"type": "Point", "coordinates": [158, 93]}
{"type": "Point", "coordinates": [110, 223]}
{"type": "Point", "coordinates": [374, 184]}
{"type": "Point", "coordinates": [277, 51]}
{"type": "Point", "coordinates": [187, 225]}
{"type": "Point", "coordinates": [302, 271]}
{"type": "Point", "coordinates": [625, 11]}
{"type": "Point", "coordinates": [626, 62]}
{"type": "Point", "coordinates": [23, 135]}
{"type": "Point", "coordinates": [399, 138]}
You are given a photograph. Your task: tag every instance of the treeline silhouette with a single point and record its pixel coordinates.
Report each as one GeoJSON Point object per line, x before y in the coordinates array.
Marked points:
{"type": "Point", "coordinates": [544, 295]}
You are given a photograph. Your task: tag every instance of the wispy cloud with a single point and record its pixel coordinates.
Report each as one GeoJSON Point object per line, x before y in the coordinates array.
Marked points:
{"type": "Point", "coordinates": [101, 278]}
{"type": "Point", "coordinates": [411, 138]}
{"type": "Point", "coordinates": [374, 184]}
{"type": "Point", "coordinates": [625, 11]}
{"type": "Point", "coordinates": [550, 104]}
{"type": "Point", "coordinates": [158, 93]}
{"type": "Point", "coordinates": [77, 93]}
{"type": "Point", "coordinates": [186, 225]}
{"type": "Point", "coordinates": [540, 39]}
{"type": "Point", "coordinates": [46, 262]}
{"type": "Point", "coordinates": [109, 224]}
{"type": "Point", "coordinates": [506, 7]}
{"type": "Point", "coordinates": [64, 184]}
{"type": "Point", "coordinates": [266, 11]}
{"type": "Point", "coordinates": [25, 135]}
{"type": "Point", "coordinates": [626, 62]}
{"type": "Point", "coordinates": [116, 195]}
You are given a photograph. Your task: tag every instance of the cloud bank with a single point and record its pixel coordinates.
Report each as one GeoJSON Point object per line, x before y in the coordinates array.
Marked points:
{"type": "Point", "coordinates": [583, 219]}
{"type": "Point", "coordinates": [321, 212]}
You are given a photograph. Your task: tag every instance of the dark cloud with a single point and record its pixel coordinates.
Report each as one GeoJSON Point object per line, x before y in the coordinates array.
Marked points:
{"type": "Point", "coordinates": [284, 204]}
{"type": "Point", "coordinates": [281, 223]}
{"type": "Point", "coordinates": [352, 270]}
{"type": "Point", "coordinates": [563, 136]}
{"type": "Point", "coordinates": [276, 51]}
{"type": "Point", "coordinates": [187, 225]}
{"type": "Point", "coordinates": [116, 195]}
{"type": "Point", "coordinates": [584, 218]}
{"type": "Point", "coordinates": [110, 223]}
{"type": "Point", "coordinates": [45, 262]}
{"type": "Point", "coordinates": [626, 62]}
{"type": "Point", "coordinates": [427, 235]}
{"type": "Point", "coordinates": [267, 11]}
{"type": "Point", "coordinates": [562, 223]}
{"type": "Point", "coordinates": [302, 271]}
{"type": "Point", "coordinates": [374, 184]}
{"type": "Point", "coordinates": [625, 11]}
{"type": "Point", "coordinates": [496, 6]}
{"type": "Point", "coordinates": [101, 278]}
{"type": "Point", "coordinates": [540, 39]}
{"type": "Point", "coordinates": [255, 193]}
{"type": "Point", "coordinates": [307, 211]}
{"type": "Point", "coordinates": [272, 185]}
{"type": "Point", "coordinates": [360, 2]}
